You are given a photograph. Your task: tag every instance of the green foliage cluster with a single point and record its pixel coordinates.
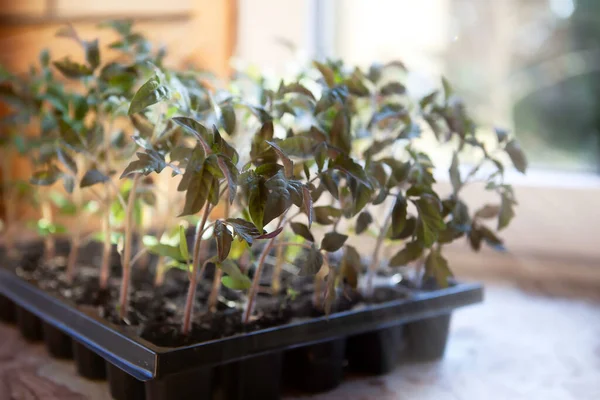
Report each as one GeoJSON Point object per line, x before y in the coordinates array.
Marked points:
{"type": "Point", "coordinates": [324, 155]}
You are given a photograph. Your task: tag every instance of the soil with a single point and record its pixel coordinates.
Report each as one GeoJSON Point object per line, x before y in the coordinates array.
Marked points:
{"type": "Point", "coordinates": [155, 314]}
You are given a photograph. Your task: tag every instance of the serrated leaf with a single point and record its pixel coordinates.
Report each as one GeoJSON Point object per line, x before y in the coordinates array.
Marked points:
{"type": "Point", "coordinates": [147, 162]}
{"type": "Point", "coordinates": [257, 201]}
{"type": "Point", "coordinates": [302, 230]}
{"type": "Point", "coordinates": [307, 205]}
{"type": "Point", "coordinates": [288, 165]}
{"type": "Point", "coordinates": [351, 168]}
{"type": "Point", "coordinates": [223, 239]}
{"type": "Point", "coordinates": [430, 221]}
{"type": "Point", "coordinates": [436, 267]}
{"type": "Point", "coordinates": [243, 229]}
{"type": "Point", "coordinates": [271, 235]}
{"type": "Point", "coordinates": [339, 135]}
{"type": "Point", "coordinates": [491, 239]}
{"type": "Point", "coordinates": [200, 189]}
{"type": "Point", "coordinates": [92, 177]}
{"type": "Point", "coordinates": [409, 253]}
{"type": "Point", "coordinates": [333, 241]}
{"type": "Point", "coordinates": [71, 69]}
{"type": "Point", "coordinates": [148, 94]}
{"type": "Point", "coordinates": [455, 174]}
{"type": "Point", "coordinates": [197, 129]}
{"type": "Point", "coordinates": [516, 155]}
{"type": "Point", "coordinates": [231, 174]}
{"type": "Point", "coordinates": [363, 221]}
{"type": "Point", "coordinates": [183, 247]}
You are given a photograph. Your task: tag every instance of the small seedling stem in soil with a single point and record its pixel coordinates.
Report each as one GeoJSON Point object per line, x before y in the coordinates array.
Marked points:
{"type": "Point", "coordinates": [191, 295]}
{"type": "Point", "coordinates": [126, 258]}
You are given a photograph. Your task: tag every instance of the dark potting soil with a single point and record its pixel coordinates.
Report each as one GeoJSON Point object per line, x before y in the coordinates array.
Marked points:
{"type": "Point", "coordinates": [155, 314]}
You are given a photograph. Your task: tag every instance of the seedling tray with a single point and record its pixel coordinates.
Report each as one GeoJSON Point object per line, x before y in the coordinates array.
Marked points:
{"type": "Point", "coordinates": [309, 355]}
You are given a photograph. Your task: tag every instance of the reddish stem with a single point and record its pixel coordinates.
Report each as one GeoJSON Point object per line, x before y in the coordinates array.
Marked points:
{"type": "Point", "coordinates": [189, 303]}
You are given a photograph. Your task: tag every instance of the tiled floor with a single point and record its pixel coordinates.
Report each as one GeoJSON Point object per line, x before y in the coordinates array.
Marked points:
{"type": "Point", "coordinates": [515, 346]}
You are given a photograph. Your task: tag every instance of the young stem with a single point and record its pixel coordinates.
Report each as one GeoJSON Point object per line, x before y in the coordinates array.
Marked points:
{"type": "Point", "coordinates": [49, 244]}
{"type": "Point", "coordinates": [107, 246]}
{"type": "Point", "coordinates": [276, 279]}
{"type": "Point", "coordinates": [216, 286]}
{"type": "Point", "coordinates": [191, 295]}
{"type": "Point", "coordinates": [9, 203]}
{"type": "Point", "coordinates": [75, 240]}
{"type": "Point", "coordinates": [159, 277]}
{"type": "Point", "coordinates": [256, 280]}
{"type": "Point", "coordinates": [375, 257]}
{"type": "Point", "coordinates": [126, 259]}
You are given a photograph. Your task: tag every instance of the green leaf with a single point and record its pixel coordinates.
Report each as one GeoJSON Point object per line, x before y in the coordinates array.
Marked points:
{"type": "Point", "coordinates": [92, 54]}
{"type": "Point", "coordinates": [298, 146]}
{"type": "Point", "coordinates": [436, 267]}
{"type": "Point", "coordinates": [328, 74]}
{"type": "Point", "coordinates": [411, 252]}
{"type": "Point", "coordinates": [257, 200]}
{"type": "Point", "coordinates": [399, 214]}
{"type": "Point", "coordinates": [92, 177]}
{"type": "Point", "coordinates": [201, 187]}
{"type": "Point", "coordinates": [71, 69]}
{"type": "Point", "coordinates": [327, 215]}
{"type": "Point", "coordinates": [310, 262]}
{"type": "Point", "coordinates": [516, 155]}
{"type": "Point", "coordinates": [223, 239]}
{"type": "Point", "coordinates": [228, 119]}
{"type": "Point", "coordinates": [430, 221]}
{"type": "Point", "coordinates": [488, 211]}
{"type": "Point", "coordinates": [296, 88]}
{"type": "Point", "coordinates": [302, 230]}
{"type": "Point", "coordinates": [288, 165]}
{"type": "Point", "coordinates": [307, 205]}
{"type": "Point", "coordinates": [491, 239]}
{"type": "Point", "coordinates": [455, 174]}
{"type": "Point", "coordinates": [506, 212]}
{"type": "Point", "coordinates": [340, 132]}
{"type": "Point", "coordinates": [198, 130]}
{"type": "Point", "coordinates": [231, 174]}
{"type": "Point", "coordinates": [148, 94]}
{"type": "Point", "coordinates": [46, 178]}
{"type": "Point", "coordinates": [347, 165]}
{"type": "Point", "coordinates": [447, 89]}
{"type": "Point", "coordinates": [363, 221]}
{"type": "Point", "coordinates": [392, 88]}
{"type": "Point", "coordinates": [333, 241]}
{"type": "Point", "coordinates": [235, 279]}
{"type": "Point", "coordinates": [243, 229]}
{"type": "Point", "coordinates": [183, 247]}
{"type": "Point", "coordinates": [350, 266]}
{"type": "Point", "coordinates": [147, 162]}
{"type": "Point", "coordinates": [167, 250]}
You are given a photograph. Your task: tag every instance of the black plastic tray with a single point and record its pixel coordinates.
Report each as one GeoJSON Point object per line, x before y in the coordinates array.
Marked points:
{"type": "Point", "coordinates": [308, 355]}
